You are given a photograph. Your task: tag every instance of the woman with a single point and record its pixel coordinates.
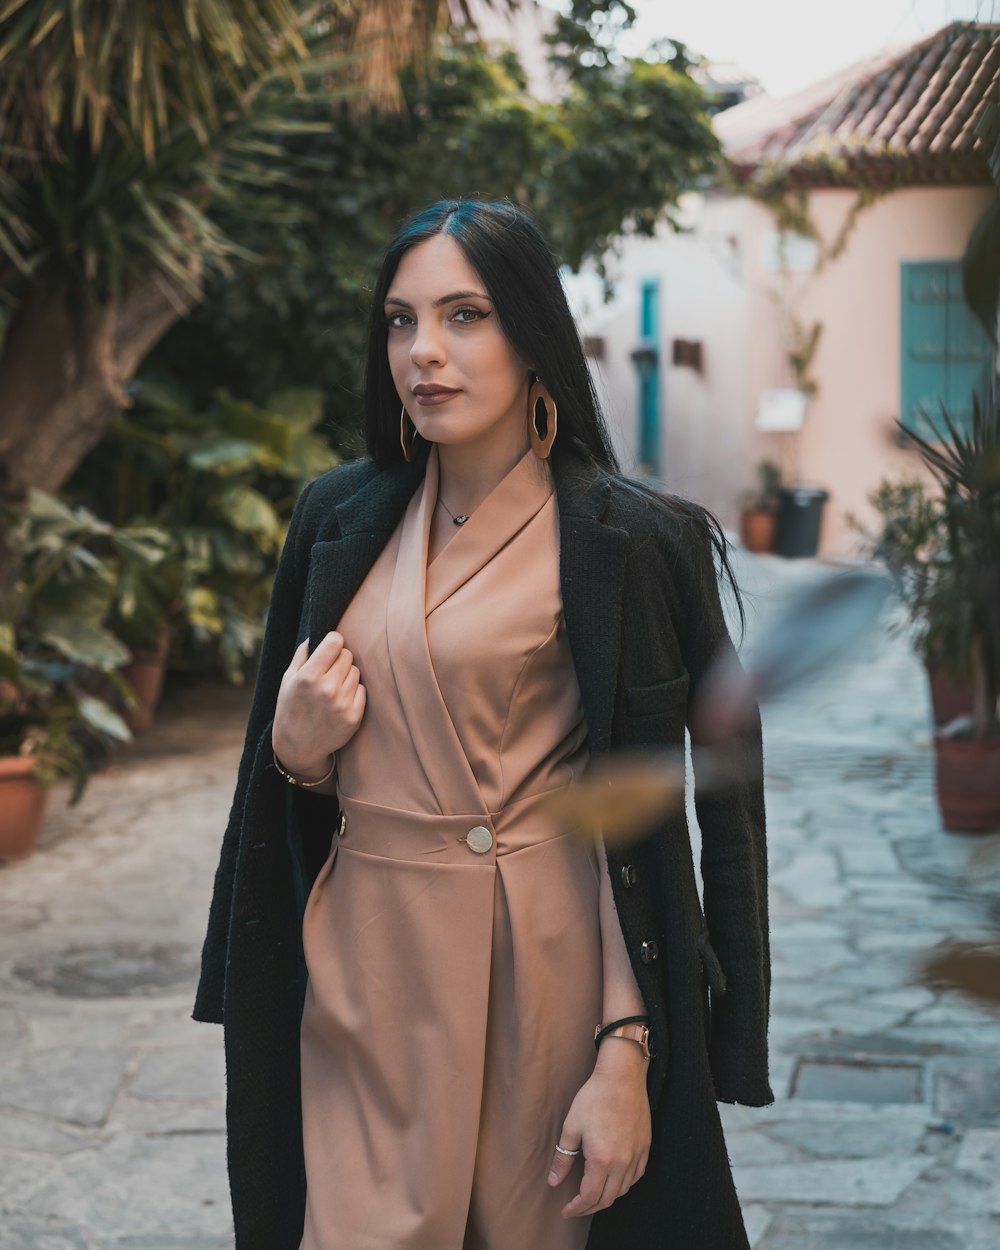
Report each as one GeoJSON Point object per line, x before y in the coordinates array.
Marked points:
{"type": "Point", "coordinates": [410, 961]}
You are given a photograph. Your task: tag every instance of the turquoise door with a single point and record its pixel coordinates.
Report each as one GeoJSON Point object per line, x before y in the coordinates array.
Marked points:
{"type": "Point", "coordinates": [648, 364]}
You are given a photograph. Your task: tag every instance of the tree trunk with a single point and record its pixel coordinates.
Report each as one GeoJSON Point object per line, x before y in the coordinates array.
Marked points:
{"type": "Point", "coordinates": [63, 374]}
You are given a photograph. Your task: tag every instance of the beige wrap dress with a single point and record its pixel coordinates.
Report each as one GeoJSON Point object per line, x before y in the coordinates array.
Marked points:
{"type": "Point", "coordinates": [452, 937]}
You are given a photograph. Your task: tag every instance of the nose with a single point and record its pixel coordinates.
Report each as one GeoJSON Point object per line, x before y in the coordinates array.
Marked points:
{"type": "Point", "coordinates": [427, 347]}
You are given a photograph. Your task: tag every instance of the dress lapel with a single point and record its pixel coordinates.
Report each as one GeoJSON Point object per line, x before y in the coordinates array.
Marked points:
{"type": "Point", "coordinates": [504, 512]}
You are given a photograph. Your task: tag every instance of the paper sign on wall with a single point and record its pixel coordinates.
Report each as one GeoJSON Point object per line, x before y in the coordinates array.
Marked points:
{"type": "Point", "coordinates": [781, 409]}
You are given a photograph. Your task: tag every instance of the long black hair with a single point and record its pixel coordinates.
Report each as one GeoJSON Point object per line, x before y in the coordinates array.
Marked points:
{"type": "Point", "coordinates": [520, 274]}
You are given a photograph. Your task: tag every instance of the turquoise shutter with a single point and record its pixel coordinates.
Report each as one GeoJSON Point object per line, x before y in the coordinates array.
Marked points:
{"type": "Point", "coordinates": [945, 352]}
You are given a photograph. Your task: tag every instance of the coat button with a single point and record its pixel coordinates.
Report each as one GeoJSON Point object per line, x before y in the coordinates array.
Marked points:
{"type": "Point", "coordinates": [479, 839]}
{"type": "Point", "coordinates": [648, 951]}
{"type": "Point", "coordinates": [628, 876]}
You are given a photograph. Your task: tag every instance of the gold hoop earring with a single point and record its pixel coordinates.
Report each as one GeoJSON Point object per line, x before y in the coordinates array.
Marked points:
{"type": "Point", "coordinates": [542, 447]}
{"type": "Point", "coordinates": [407, 441]}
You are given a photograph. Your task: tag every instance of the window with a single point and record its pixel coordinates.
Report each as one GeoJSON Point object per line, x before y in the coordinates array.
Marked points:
{"type": "Point", "coordinates": [946, 355]}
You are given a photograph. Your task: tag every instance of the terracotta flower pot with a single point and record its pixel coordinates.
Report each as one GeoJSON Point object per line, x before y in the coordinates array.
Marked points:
{"type": "Point", "coordinates": [968, 783]}
{"type": "Point", "coordinates": [145, 674]}
{"type": "Point", "coordinates": [758, 530]}
{"type": "Point", "coordinates": [949, 698]}
{"type": "Point", "coordinates": [22, 806]}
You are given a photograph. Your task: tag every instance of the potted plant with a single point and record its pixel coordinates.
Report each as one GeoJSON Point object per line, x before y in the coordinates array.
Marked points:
{"type": "Point", "coordinates": [51, 727]}
{"type": "Point", "coordinates": [759, 509]}
{"type": "Point", "coordinates": [58, 662]}
{"type": "Point", "coordinates": [963, 609]}
{"type": "Point", "coordinates": [911, 540]}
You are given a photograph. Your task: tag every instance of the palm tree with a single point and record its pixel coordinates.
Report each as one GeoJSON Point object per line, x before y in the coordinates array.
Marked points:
{"type": "Point", "coordinates": [123, 124]}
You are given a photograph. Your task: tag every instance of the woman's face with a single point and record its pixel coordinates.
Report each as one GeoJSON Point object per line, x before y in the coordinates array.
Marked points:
{"type": "Point", "coordinates": [456, 374]}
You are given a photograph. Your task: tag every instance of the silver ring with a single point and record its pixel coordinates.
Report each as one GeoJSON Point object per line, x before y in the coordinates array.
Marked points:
{"type": "Point", "coordinates": [570, 1153]}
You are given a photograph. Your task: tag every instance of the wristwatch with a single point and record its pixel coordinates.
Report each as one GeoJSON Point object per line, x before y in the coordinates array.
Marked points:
{"type": "Point", "coordinates": [632, 1032]}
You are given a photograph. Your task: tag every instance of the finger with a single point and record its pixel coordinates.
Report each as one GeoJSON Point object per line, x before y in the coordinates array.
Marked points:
{"type": "Point", "coordinates": [326, 651]}
{"type": "Point", "coordinates": [300, 656]}
{"type": "Point", "coordinates": [360, 699]}
{"type": "Point", "coordinates": [562, 1165]}
{"type": "Point", "coordinates": [341, 667]}
{"type": "Point", "coordinates": [630, 1177]}
{"type": "Point", "coordinates": [352, 680]}
{"type": "Point", "coordinates": [614, 1187]}
{"type": "Point", "coordinates": [591, 1188]}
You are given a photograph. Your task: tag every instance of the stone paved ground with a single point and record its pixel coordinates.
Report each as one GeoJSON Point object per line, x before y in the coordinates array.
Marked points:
{"type": "Point", "coordinates": [886, 1132]}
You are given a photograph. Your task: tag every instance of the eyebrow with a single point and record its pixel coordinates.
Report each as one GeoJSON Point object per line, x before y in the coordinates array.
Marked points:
{"type": "Point", "coordinates": [445, 299]}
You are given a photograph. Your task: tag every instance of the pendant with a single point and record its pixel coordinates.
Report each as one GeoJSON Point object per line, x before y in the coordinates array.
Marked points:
{"type": "Point", "coordinates": [461, 519]}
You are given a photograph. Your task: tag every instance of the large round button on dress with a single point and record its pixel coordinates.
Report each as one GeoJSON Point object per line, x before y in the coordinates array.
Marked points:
{"type": "Point", "coordinates": [479, 839]}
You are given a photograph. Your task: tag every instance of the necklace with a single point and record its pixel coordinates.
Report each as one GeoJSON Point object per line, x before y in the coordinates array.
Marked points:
{"type": "Point", "coordinates": [460, 519]}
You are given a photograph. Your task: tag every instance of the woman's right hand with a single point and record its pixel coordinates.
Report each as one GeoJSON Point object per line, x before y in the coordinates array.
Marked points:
{"type": "Point", "coordinates": [320, 705]}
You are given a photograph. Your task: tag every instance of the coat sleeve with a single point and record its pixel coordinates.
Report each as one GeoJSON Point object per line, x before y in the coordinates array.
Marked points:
{"type": "Point", "coordinates": [733, 854]}
{"type": "Point", "coordinates": [278, 646]}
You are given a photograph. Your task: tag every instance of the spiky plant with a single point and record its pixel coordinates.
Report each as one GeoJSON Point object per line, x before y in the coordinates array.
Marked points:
{"type": "Point", "coordinates": [964, 608]}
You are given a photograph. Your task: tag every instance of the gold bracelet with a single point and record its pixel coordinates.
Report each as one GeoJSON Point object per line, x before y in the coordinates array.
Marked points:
{"type": "Point", "coordinates": [295, 781]}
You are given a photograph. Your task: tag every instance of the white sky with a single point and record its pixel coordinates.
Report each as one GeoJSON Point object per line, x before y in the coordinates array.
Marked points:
{"type": "Point", "coordinates": [789, 44]}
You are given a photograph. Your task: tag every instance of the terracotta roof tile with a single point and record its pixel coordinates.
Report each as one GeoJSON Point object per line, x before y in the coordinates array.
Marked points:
{"type": "Point", "coordinates": [908, 116]}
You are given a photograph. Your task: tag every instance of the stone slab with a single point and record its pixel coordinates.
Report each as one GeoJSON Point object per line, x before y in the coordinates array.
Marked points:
{"type": "Point", "coordinates": [846, 1183]}
{"type": "Point", "coordinates": [828, 1137]}
{"type": "Point", "coordinates": [968, 1095]}
{"type": "Point", "coordinates": [181, 1180]}
{"type": "Point", "coordinates": [756, 1220]}
{"type": "Point", "coordinates": [33, 1134]}
{"type": "Point", "coordinates": [858, 1082]}
{"type": "Point", "coordinates": [75, 1084]}
{"type": "Point", "coordinates": [979, 1156]}
{"type": "Point", "coordinates": [32, 1234]}
{"type": "Point", "coordinates": [180, 1072]}
{"type": "Point", "coordinates": [853, 1232]}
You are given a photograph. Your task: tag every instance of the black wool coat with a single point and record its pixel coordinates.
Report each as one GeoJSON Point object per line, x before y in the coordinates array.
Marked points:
{"type": "Point", "coordinates": [644, 621]}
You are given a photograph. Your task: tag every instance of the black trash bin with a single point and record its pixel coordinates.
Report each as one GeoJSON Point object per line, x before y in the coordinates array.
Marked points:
{"type": "Point", "coordinates": [800, 514]}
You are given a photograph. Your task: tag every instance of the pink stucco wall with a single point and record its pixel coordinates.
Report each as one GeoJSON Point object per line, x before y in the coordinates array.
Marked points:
{"type": "Point", "coordinates": [718, 288]}
{"type": "Point", "coordinates": [849, 441]}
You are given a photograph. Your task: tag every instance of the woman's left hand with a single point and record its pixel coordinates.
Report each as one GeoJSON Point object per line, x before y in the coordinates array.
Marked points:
{"type": "Point", "coordinates": [610, 1122]}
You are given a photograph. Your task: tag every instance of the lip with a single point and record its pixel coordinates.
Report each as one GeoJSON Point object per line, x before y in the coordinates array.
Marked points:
{"type": "Point", "coordinates": [426, 393]}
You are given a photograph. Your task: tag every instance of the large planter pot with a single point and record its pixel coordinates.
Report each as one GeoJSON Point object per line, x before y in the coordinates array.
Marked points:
{"type": "Point", "coordinates": [949, 698]}
{"type": "Point", "coordinates": [968, 783]}
{"type": "Point", "coordinates": [800, 517]}
{"type": "Point", "coordinates": [22, 806]}
{"type": "Point", "coordinates": [145, 674]}
{"type": "Point", "coordinates": [758, 530]}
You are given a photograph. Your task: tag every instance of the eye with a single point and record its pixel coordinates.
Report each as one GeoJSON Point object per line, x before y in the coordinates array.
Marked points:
{"type": "Point", "coordinates": [393, 320]}
{"type": "Point", "coordinates": [475, 314]}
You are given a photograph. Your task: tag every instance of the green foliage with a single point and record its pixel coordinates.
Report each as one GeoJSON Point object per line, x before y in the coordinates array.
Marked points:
{"type": "Point", "coordinates": [612, 155]}
{"type": "Point", "coordinates": [943, 551]}
{"type": "Point", "coordinates": [58, 659]}
{"type": "Point", "coordinates": [764, 496]}
{"type": "Point", "coordinates": [802, 352]}
{"type": "Point", "coordinates": [126, 124]}
{"type": "Point", "coordinates": [912, 542]}
{"type": "Point", "coordinates": [967, 467]}
{"type": "Point", "coordinates": [218, 483]}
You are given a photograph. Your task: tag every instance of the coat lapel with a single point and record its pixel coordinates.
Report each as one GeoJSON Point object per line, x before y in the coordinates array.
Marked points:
{"type": "Point", "coordinates": [592, 580]}
{"type": "Point", "coordinates": [350, 541]}
{"type": "Point", "coordinates": [591, 570]}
